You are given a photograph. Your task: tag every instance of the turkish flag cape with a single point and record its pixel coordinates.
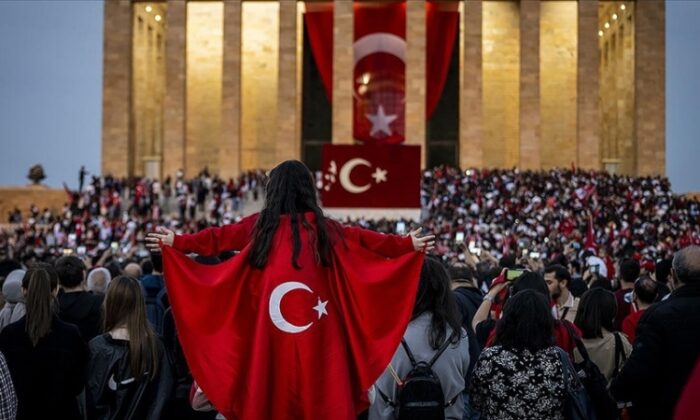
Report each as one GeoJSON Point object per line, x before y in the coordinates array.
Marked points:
{"type": "Point", "coordinates": [291, 343]}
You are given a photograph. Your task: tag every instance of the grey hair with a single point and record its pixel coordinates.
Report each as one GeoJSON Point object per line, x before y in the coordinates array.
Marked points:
{"type": "Point", "coordinates": [96, 286]}
{"type": "Point", "coordinates": [686, 264]}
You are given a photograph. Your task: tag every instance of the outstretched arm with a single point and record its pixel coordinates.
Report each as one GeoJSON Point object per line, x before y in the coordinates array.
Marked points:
{"type": "Point", "coordinates": [208, 242]}
{"type": "Point", "coordinates": [390, 246]}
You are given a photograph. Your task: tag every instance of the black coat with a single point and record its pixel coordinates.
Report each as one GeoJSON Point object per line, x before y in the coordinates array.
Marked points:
{"type": "Point", "coordinates": [664, 353]}
{"type": "Point", "coordinates": [82, 309]}
{"type": "Point", "coordinates": [47, 377]}
{"type": "Point", "coordinates": [112, 391]}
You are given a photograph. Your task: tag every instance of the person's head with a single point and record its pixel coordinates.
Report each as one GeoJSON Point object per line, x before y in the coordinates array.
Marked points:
{"type": "Point", "coordinates": [530, 280]}
{"type": "Point", "coordinates": [646, 291]}
{"type": "Point", "coordinates": [147, 267]}
{"type": "Point", "coordinates": [461, 273]}
{"type": "Point", "coordinates": [71, 271]}
{"type": "Point", "coordinates": [663, 270]}
{"type": "Point", "coordinates": [558, 279]}
{"type": "Point", "coordinates": [601, 283]}
{"type": "Point", "coordinates": [115, 269]}
{"type": "Point", "coordinates": [98, 280]}
{"type": "Point", "coordinates": [507, 261]}
{"type": "Point", "coordinates": [435, 297]}
{"type": "Point", "coordinates": [40, 286]}
{"type": "Point", "coordinates": [133, 270]}
{"type": "Point", "coordinates": [526, 323]}
{"type": "Point", "coordinates": [629, 270]}
{"type": "Point", "coordinates": [12, 286]}
{"type": "Point", "coordinates": [596, 311]}
{"type": "Point", "coordinates": [686, 265]}
{"type": "Point", "coordinates": [290, 191]}
{"type": "Point", "coordinates": [124, 307]}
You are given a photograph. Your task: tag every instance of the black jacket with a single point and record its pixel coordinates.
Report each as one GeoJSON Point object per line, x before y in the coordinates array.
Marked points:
{"type": "Point", "coordinates": [468, 301]}
{"type": "Point", "coordinates": [112, 391]}
{"type": "Point", "coordinates": [47, 377]}
{"type": "Point", "coordinates": [664, 353]}
{"type": "Point", "coordinates": [84, 310]}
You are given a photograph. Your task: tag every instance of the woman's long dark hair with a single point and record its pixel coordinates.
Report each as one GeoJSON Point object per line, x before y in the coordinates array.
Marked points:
{"type": "Point", "coordinates": [527, 323]}
{"type": "Point", "coordinates": [596, 310]}
{"type": "Point", "coordinates": [124, 306]}
{"type": "Point", "coordinates": [290, 191]}
{"type": "Point", "coordinates": [435, 296]}
{"type": "Point", "coordinates": [40, 283]}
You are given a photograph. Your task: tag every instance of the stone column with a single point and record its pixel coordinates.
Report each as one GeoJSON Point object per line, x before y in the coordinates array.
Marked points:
{"type": "Point", "coordinates": [175, 95]}
{"type": "Point", "coordinates": [650, 86]}
{"type": "Point", "coordinates": [415, 76]}
{"type": "Point", "coordinates": [529, 84]}
{"type": "Point", "coordinates": [287, 144]}
{"type": "Point", "coordinates": [230, 156]}
{"type": "Point", "coordinates": [471, 152]}
{"type": "Point", "coordinates": [343, 38]}
{"type": "Point", "coordinates": [588, 87]}
{"type": "Point", "coordinates": [116, 91]}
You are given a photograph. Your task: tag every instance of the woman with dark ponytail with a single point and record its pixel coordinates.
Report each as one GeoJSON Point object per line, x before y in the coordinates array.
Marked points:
{"type": "Point", "coordinates": [304, 319]}
{"type": "Point", "coordinates": [46, 356]}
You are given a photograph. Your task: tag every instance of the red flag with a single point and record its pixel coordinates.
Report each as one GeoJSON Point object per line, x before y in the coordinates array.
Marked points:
{"type": "Point", "coordinates": [590, 236]}
{"type": "Point", "coordinates": [379, 176]}
{"type": "Point", "coordinates": [291, 343]}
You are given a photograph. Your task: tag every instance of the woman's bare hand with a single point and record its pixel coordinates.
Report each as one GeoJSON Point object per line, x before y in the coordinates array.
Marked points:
{"type": "Point", "coordinates": [162, 236]}
{"type": "Point", "coordinates": [422, 243]}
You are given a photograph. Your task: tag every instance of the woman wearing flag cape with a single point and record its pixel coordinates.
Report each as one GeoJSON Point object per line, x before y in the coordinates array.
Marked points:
{"type": "Point", "coordinates": [304, 319]}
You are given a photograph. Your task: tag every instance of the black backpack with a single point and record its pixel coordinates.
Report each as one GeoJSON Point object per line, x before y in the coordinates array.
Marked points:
{"type": "Point", "coordinates": [594, 381]}
{"type": "Point", "coordinates": [419, 395]}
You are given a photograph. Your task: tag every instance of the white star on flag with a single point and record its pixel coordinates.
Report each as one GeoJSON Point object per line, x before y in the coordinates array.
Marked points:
{"type": "Point", "coordinates": [380, 122]}
{"type": "Point", "coordinates": [379, 175]}
{"type": "Point", "coordinates": [321, 308]}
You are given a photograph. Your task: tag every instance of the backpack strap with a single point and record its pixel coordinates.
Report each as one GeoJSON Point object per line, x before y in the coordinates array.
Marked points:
{"type": "Point", "coordinates": [619, 354]}
{"type": "Point", "coordinates": [432, 361]}
{"type": "Point", "coordinates": [408, 352]}
{"type": "Point", "coordinates": [385, 397]}
{"type": "Point", "coordinates": [577, 341]}
{"type": "Point", "coordinates": [442, 349]}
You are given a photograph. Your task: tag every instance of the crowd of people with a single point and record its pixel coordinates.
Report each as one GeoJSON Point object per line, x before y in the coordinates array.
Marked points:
{"type": "Point", "coordinates": [534, 275]}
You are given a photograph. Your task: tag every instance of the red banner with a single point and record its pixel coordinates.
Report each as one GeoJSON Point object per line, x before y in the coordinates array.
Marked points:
{"type": "Point", "coordinates": [376, 176]}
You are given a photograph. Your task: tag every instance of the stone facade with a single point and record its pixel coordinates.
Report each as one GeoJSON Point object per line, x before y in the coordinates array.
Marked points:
{"type": "Point", "coordinates": [415, 75]}
{"type": "Point", "coordinates": [116, 91]}
{"type": "Point", "coordinates": [539, 86]}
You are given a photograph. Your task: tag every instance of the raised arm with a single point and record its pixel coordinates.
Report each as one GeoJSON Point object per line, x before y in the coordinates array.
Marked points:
{"type": "Point", "coordinates": [390, 246]}
{"type": "Point", "coordinates": [208, 242]}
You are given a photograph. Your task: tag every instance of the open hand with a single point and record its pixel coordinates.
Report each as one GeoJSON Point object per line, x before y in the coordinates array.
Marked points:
{"type": "Point", "coordinates": [422, 243]}
{"type": "Point", "coordinates": [162, 236]}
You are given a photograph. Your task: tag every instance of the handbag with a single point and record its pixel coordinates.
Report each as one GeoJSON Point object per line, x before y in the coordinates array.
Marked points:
{"type": "Point", "coordinates": [577, 405]}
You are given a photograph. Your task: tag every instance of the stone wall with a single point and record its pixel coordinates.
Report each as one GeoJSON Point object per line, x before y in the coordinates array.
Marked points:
{"type": "Point", "coordinates": [23, 197]}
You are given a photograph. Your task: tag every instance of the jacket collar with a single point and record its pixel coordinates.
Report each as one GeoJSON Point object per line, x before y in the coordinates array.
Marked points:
{"type": "Point", "coordinates": [687, 290]}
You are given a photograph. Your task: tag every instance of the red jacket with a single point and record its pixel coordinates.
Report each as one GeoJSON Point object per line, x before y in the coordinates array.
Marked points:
{"type": "Point", "coordinates": [629, 325]}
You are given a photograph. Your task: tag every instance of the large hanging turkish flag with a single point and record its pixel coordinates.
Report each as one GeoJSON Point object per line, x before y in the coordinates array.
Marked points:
{"type": "Point", "coordinates": [379, 70]}
{"type": "Point", "coordinates": [379, 87]}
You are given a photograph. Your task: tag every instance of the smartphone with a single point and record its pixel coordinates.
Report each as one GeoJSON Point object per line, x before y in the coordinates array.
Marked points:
{"type": "Point", "coordinates": [67, 251]}
{"type": "Point", "coordinates": [114, 245]}
{"type": "Point", "coordinates": [81, 250]}
{"type": "Point", "coordinates": [400, 228]}
{"type": "Point", "coordinates": [525, 252]}
{"type": "Point", "coordinates": [535, 255]}
{"type": "Point", "coordinates": [512, 274]}
{"type": "Point", "coordinates": [459, 237]}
